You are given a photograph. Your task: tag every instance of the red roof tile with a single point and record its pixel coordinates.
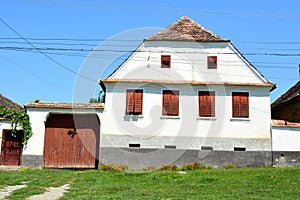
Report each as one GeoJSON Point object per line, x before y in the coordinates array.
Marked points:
{"type": "Point", "coordinates": [9, 103]}
{"type": "Point", "coordinates": [186, 29]}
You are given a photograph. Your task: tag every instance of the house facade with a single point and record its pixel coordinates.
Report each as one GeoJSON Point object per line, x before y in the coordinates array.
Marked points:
{"type": "Point", "coordinates": [286, 127]}
{"type": "Point", "coordinates": [186, 95]}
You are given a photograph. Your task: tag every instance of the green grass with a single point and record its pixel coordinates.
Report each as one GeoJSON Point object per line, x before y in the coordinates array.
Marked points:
{"type": "Point", "coordinates": [237, 183]}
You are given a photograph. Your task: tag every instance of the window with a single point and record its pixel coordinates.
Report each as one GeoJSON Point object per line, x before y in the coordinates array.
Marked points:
{"type": "Point", "coordinates": [240, 104]}
{"type": "Point", "coordinates": [212, 62]}
{"type": "Point", "coordinates": [165, 61]}
{"type": "Point", "coordinates": [134, 102]}
{"type": "Point", "coordinates": [170, 103]}
{"type": "Point", "coordinates": [206, 104]}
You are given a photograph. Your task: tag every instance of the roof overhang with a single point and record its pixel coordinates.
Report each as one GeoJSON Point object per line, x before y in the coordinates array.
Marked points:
{"type": "Point", "coordinates": [109, 80]}
{"type": "Point", "coordinates": [55, 105]}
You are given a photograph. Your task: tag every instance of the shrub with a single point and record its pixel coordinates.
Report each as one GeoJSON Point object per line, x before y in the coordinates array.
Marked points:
{"type": "Point", "coordinates": [230, 165]}
{"type": "Point", "coordinates": [113, 168]}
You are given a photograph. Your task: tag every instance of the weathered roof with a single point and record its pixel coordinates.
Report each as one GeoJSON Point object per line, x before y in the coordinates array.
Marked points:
{"type": "Point", "coordinates": [291, 93]}
{"type": "Point", "coordinates": [65, 105]}
{"type": "Point", "coordinates": [285, 124]}
{"type": "Point", "coordinates": [9, 103]}
{"type": "Point", "coordinates": [287, 106]}
{"type": "Point", "coordinates": [186, 29]}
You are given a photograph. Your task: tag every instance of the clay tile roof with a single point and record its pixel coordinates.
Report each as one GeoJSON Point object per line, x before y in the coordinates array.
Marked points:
{"type": "Point", "coordinates": [291, 93]}
{"type": "Point", "coordinates": [9, 103]}
{"type": "Point", "coordinates": [186, 29]}
{"type": "Point", "coordinates": [284, 123]}
{"type": "Point", "coordinates": [287, 106]}
{"type": "Point", "coordinates": [65, 105]}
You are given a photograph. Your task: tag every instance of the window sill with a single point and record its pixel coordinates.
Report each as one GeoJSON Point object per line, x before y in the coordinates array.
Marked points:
{"type": "Point", "coordinates": [207, 118]}
{"type": "Point", "coordinates": [133, 116]}
{"type": "Point", "coordinates": [240, 119]}
{"type": "Point", "coordinates": [169, 117]}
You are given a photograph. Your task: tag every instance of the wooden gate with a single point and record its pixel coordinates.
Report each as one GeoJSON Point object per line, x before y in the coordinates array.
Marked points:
{"type": "Point", "coordinates": [71, 141]}
{"type": "Point", "coordinates": [11, 149]}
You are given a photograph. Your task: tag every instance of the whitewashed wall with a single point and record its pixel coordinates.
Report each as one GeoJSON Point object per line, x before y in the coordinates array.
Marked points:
{"type": "Point", "coordinates": [285, 139]}
{"type": "Point", "coordinates": [187, 130]}
{"type": "Point", "coordinates": [188, 63]}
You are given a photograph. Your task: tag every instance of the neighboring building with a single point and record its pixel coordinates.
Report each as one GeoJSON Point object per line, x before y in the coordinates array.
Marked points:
{"type": "Point", "coordinates": [65, 135]}
{"type": "Point", "coordinates": [286, 127]}
{"type": "Point", "coordinates": [186, 95]}
{"type": "Point", "coordinates": [11, 147]}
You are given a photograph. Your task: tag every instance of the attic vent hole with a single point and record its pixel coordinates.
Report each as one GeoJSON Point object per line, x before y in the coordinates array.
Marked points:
{"type": "Point", "coordinates": [239, 148]}
{"type": "Point", "coordinates": [168, 146]}
{"type": "Point", "coordinates": [135, 145]}
{"type": "Point", "coordinates": [207, 148]}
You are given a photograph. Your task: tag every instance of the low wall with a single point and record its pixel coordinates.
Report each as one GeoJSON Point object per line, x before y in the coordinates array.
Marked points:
{"type": "Point", "coordinates": [286, 145]}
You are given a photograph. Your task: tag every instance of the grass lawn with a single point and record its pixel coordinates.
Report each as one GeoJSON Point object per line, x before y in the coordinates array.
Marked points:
{"type": "Point", "coordinates": [237, 183]}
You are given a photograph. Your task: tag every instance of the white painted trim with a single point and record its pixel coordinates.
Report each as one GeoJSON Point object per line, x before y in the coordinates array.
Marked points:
{"type": "Point", "coordinates": [169, 117]}
{"type": "Point", "coordinates": [254, 70]}
{"type": "Point", "coordinates": [207, 118]}
{"type": "Point", "coordinates": [240, 119]}
{"type": "Point", "coordinates": [126, 61]}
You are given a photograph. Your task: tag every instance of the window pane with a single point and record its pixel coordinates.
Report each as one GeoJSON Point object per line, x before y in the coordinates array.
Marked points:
{"type": "Point", "coordinates": [165, 61]}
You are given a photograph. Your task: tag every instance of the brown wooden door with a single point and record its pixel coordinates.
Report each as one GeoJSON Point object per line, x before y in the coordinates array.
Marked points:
{"type": "Point", "coordinates": [71, 140]}
{"type": "Point", "coordinates": [11, 149]}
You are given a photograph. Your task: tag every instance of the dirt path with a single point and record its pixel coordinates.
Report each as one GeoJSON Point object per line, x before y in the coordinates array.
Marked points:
{"type": "Point", "coordinates": [5, 192]}
{"type": "Point", "coordinates": [52, 193]}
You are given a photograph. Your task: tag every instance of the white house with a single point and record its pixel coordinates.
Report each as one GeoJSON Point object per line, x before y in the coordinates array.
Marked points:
{"type": "Point", "coordinates": [286, 127]}
{"type": "Point", "coordinates": [186, 95]}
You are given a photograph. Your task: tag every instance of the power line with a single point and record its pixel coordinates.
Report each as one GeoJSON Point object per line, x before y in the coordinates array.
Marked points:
{"type": "Point", "coordinates": [34, 75]}
{"type": "Point", "coordinates": [44, 54]}
{"type": "Point", "coordinates": [131, 51]}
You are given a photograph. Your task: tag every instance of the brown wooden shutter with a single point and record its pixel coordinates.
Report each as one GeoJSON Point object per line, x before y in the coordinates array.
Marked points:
{"type": "Point", "coordinates": [240, 104]}
{"type": "Point", "coordinates": [244, 105]}
{"type": "Point", "coordinates": [202, 104]}
{"type": "Point", "coordinates": [165, 61]}
{"type": "Point", "coordinates": [206, 104]}
{"type": "Point", "coordinates": [166, 102]}
{"type": "Point", "coordinates": [210, 104]}
{"type": "Point", "coordinates": [174, 103]}
{"type": "Point", "coordinates": [235, 105]}
{"type": "Point", "coordinates": [129, 101]}
{"type": "Point", "coordinates": [138, 101]}
{"type": "Point", "coordinates": [212, 62]}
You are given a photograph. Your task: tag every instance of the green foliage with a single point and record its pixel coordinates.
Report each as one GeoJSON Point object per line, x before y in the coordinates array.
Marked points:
{"type": "Point", "coordinates": [17, 119]}
{"type": "Point", "coordinates": [230, 166]}
{"type": "Point", "coordinates": [99, 99]}
{"type": "Point", "coordinates": [113, 168]}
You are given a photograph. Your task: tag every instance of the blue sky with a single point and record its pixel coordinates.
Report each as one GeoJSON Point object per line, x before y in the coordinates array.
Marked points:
{"type": "Point", "coordinates": [268, 30]}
